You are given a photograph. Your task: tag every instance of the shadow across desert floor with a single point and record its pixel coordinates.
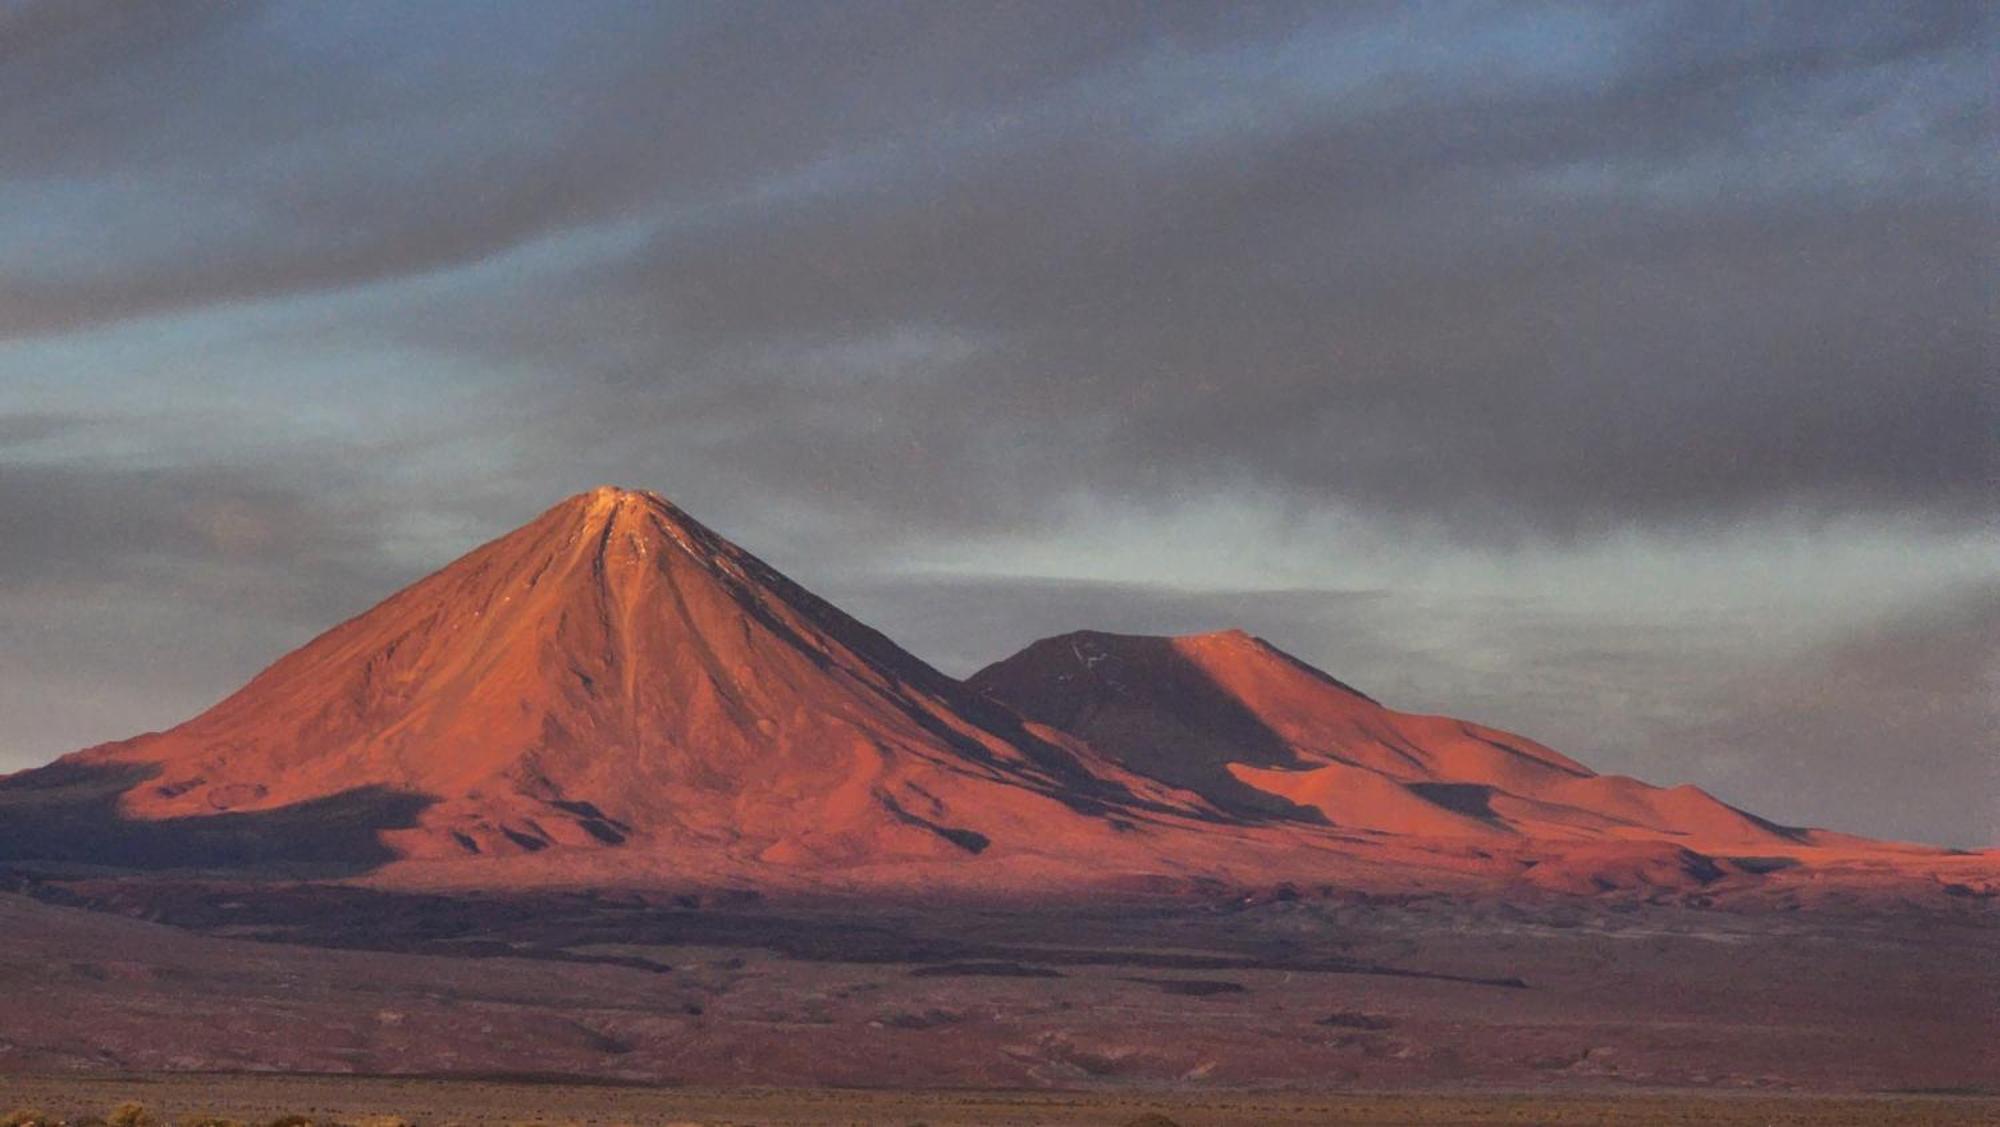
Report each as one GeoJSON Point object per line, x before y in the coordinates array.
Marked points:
{"type": "Point", "coordinates": [968, 940]}
{"type": "Point", "coordinates": [727, 989]}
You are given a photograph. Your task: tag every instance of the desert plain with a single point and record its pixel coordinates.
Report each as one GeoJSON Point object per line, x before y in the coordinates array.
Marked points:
{"type": "Point", "coordinates": [599, 1008]}
{"type": "Point", "coordinates": [608, 821]}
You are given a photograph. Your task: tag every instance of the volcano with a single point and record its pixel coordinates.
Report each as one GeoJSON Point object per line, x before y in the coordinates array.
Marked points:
{"type": "Point", "coordinates": [620, 690]}
{"type": "Point", "coordinates": [614, 694]}
{"type": "Point", "coordinates": [1255, 730]}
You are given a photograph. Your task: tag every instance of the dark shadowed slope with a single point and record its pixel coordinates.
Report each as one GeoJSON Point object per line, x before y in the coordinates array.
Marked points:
{"type": "Point", "coordinates": [614, 678]}
{"type": "Point", "coordinates": [1253, 728]}
{"type": "Point", "coordinates": [613, 694]}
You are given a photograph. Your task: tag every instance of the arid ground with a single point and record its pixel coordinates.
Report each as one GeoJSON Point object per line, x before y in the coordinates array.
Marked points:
{"type": "Point", "coordinates": [1172, 996]}
{"type": "Point", "coordinates": [609, 799]}
{"type": "Point", "coordinates": [423, 1101]}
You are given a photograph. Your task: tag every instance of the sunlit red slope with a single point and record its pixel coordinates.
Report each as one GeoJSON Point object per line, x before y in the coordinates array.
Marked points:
{"type": "Point", "coordinates": [1256, 730]}
{"type": "Point", "coordinates": [613, 694]}
{"type": "Point", "coordinates": [614, 680]}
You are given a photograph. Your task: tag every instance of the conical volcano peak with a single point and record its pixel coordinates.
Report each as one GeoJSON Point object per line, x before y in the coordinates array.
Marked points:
{"type": "Point", "coordinates": [614, 692]}
{"type": "Point", "coordinates": [616, 678]}
{"type": "Point", "coordinates": [624, 527]}
{"type": "Point", "coordinates": [609, 492]}
{"type": "Point", "coordinates": [604, 503]}
{"type": "Point", "coordinates": [608, 505]}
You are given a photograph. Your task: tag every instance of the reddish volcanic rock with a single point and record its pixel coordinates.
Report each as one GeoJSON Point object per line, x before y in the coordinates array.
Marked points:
{"type": "Point", "coordinates": [613, 694]}
{"type": "Point", "coordinates": [614, 678]}
{"type": "Point", "coordinates": [1242, 722]}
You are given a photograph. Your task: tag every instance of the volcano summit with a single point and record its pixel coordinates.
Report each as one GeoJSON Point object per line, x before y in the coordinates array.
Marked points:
{"type": "Point", "coordinates": [614, 695]}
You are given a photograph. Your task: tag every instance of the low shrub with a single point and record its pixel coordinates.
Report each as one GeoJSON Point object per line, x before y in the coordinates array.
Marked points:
{"type": "Point", "coordinates": [1351, 1019]}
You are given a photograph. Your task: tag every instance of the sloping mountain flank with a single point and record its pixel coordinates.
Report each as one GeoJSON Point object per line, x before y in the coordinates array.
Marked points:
{"type": "Point", "coordinates": [614, 695]}
{"type": "Point", "coordinates": [1253, 729]}
{"type": "Point", "coordinates": [612, 678]}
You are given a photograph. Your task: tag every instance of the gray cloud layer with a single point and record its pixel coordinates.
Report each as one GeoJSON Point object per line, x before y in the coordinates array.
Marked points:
{"type": "Point", "coordinates": [314, 297]}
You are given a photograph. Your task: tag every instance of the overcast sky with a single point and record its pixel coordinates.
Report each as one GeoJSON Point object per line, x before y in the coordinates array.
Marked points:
{"type": "Point", "coordinates": [1620, 374]}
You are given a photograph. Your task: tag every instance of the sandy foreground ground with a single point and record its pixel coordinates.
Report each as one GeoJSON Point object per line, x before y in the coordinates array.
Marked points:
{"type": "Point", "coordinates": [358, 1099]}
{"type": "Point", "coordinates": [1427, 996]}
